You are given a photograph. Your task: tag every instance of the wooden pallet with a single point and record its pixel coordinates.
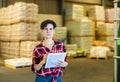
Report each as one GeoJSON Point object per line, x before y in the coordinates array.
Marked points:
{"type": "Point", "coordinates": [15, 67]}
{"type": "Point", "coordinates": [97, 57]}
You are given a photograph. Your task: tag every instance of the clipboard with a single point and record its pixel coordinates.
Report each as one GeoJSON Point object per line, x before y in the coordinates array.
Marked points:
{"type": "Point", "coordinates": [53, 58]}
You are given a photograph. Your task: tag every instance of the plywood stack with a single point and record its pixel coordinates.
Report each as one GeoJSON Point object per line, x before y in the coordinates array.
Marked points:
{"type": "Point", "coordinates": [18, 22]}
{"type": "Point", "coordinates": [61, 33]}
{"type": "Point", "coordinates": [80, 32]}
{"type": "Point", "coordinates": [4, 48]}
{"type": "Point", "coordinates": [17, 62]}
{"type": "Point", "coordinates": [71, 50]}
{"type": "Point", "coordinates": [27, 47]}
{"type": "Point", "coordinates": [23, 31]}
{"type": "Point", "coordinates": [105, 32]}
{"type": "Point", "coordinates": [24, 12]}
{"type": "Point", "coordinates": [104, 23]}
{"type": "Point", "coordinates": [5, 15]}
{"type": "Point", "coordinates": [5, 32]}
{"type": "Point", "coordinates": [109, 15]}
{"type": "Point", "coordinates": [10, 49]}
{"type": "Point", "coordinates": [14, 49]}
{"type": "Point", "coordinates": [74, 12]}
{"type": "Point", "coordinates": [96, 13]}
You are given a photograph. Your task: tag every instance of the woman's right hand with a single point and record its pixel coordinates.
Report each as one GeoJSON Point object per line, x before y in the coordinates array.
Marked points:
{"type": "Point", "coordinates": [44, 59]}
{"type": "Point", "coordinates": [38, 66]}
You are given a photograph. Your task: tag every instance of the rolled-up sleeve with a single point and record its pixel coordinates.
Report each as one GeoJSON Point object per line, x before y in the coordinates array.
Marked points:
{"type": "Point", "coordinates": [36, 58]}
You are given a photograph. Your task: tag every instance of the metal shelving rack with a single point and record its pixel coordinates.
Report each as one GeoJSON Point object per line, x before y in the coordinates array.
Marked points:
{"type": "Point", "coordinates": [116, 57]}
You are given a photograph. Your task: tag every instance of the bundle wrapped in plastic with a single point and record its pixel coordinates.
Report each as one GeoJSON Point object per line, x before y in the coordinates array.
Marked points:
{"type": "Point", "coordinates": [27, 47]}
{"type": "Point", "coordinates": [23, 31]}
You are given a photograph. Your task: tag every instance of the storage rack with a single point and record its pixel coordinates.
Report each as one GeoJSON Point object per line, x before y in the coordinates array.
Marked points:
{"type": "Point", "coordinates": [116, 57]}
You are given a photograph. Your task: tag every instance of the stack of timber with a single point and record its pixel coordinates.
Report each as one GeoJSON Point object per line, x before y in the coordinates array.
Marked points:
{"type": "Point", "coordinates": [80, 32]}
{"type": "Point", "coordinates": [17, 24]}
{"type": "Point", "coordinates": [27, 47]}
{"type": "Point", "coordinates": [74, 12]}
{"type": "Point", "coordinates": [105, 32]}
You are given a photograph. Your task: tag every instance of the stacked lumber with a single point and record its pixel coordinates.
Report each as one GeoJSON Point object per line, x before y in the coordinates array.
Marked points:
{"type": "Point", "coordinates": [23, 31]}
{"type": "Point", "coordinates": [4, 48]}
{"type": "Point", "coordinates": [17, 24]}
{"type": "Point", "coordinates": [20, 11]}
{"type": "Point", "coordinates": [96, 13]}
{"type": "Point", "coordinates": [5, 33]}
{"type": "Point", "coordinates": [17, 62]}
{"type": "Point", "coordinates": [80, 32]}
{"type": "Point", "coordinates": [10, 49]}
{"type": "Point", "coordinates": [27, 47]}
{"type": "Point", "coordinates": [71, 50]}
{"type": "Point", "coordinates": [14, 49]}
{"type": "Point", "coordinates": [60, 33]}
{"type": "Point", "coordinates": [105, 32]}
{"type": "Point", "coordinates": [109, 15]}
{"type": "Point", "coordinates": [24, 12]}
{"type": "Point", "coordinates": [74, 12]}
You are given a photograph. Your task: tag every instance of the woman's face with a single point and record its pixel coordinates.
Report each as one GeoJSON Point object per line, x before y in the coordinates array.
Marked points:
{"type": "Point", "coordinates": [48, 31]}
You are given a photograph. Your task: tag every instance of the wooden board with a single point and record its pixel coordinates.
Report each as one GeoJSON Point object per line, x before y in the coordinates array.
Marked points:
{"type": "Point", "coordinates": [98, 57]}
{"type": "Point", "coordinates": [14, 67]}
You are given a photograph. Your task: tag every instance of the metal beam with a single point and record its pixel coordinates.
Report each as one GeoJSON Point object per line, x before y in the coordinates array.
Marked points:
{"type": "Point", "coordinates": [83, 3]}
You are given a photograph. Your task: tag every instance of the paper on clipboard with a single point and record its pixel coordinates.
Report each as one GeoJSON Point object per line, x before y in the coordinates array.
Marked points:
{"type": "Point", "coordinates": [53, 58]}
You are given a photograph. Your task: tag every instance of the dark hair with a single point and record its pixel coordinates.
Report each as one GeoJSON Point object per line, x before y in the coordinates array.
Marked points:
{"type": "Point", "coordinates": [44, 24]}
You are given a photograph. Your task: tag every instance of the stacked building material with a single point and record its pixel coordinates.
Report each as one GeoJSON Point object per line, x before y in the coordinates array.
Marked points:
{"type": "Point", "coordinates": [14, 49]}
{"type": "Point", "coordinates": [24, 12]}
{"type": "Point", "coordinates": [18, 22]}
{"type": "Point", "coordinates": [109, 15]}
{"type": "Point", "coordinates": [80, 32]}
{"type": "Point", "coordinates": [99, 52]}
{"type": "Point", "coordinates": [17, 62]}
{"type": "Point", "coordinates": [5, 15]}
{"type": "Point", "coordinates": [96, 13]}
{"type": "Point", "coordinates": [23, 31]}
{"type": "Point", "coordinates": [61, 34]}
{"type": "Point", "coordinates": [4, 48]}
{"type": "Point", "coordinates": [71, 50]}
{"type": "Point", "coordinates": [5, 32]}
{"type": "Point", "coordinates": [27, 47]}
{"type": "Point", "coordinates": [105, 32]}
{"type": "Point", "coordinates": [74, 12]}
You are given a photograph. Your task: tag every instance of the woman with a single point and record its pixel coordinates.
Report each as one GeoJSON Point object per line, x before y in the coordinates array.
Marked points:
{"type": "Point", "coordinates": [48, 45]}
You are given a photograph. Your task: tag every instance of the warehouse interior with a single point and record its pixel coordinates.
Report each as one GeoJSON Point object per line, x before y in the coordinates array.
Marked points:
{"type": "Point", "coordinates": [87, 28]}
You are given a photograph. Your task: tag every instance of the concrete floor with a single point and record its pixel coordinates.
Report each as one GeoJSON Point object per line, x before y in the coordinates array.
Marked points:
{"type": "Point", "coordinates": [79, 70]}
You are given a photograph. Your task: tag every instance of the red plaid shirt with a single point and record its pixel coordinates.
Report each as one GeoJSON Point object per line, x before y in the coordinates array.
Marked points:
{"type": "Point", "coordinates": [37, 57]}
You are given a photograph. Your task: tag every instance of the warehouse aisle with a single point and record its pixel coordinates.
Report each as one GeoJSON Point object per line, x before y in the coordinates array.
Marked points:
{"type": "Point", "coordinates": [79, 70]}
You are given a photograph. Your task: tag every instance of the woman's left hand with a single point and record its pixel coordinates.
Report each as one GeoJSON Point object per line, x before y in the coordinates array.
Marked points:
{"type": "Point", "coordinates": [61, 63]}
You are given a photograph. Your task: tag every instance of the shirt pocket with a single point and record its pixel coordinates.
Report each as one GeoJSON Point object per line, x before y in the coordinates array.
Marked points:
{"type": "Point", "coordinates": [59, 48]}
